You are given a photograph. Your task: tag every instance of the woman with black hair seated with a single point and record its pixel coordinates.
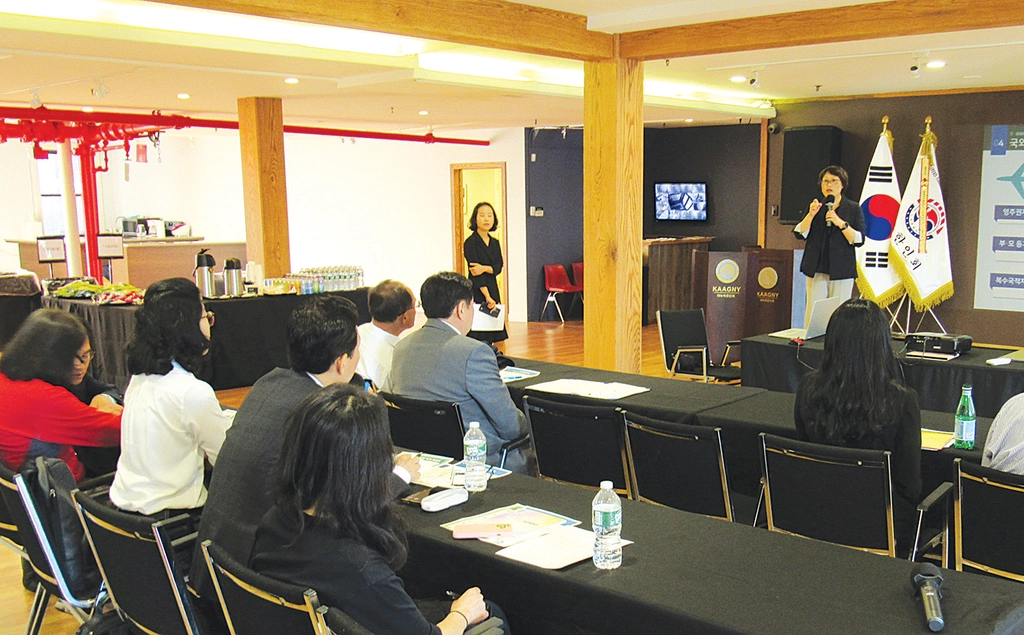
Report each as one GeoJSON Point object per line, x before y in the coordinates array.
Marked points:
{"type": "Point", "coordinates": [335, 527]}
{"type": "Point", "coordinates": [41, 417]}
{"type": "Point", "coordinates": [858, 399]}
{"type": "Point", "coordinates": [172, 421]}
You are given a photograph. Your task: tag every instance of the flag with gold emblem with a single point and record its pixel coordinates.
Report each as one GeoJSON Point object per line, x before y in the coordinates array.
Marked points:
{"type": "Point", "coordinates": [920, 239]}
{"type": "Point", "coordinates": [880, 203]}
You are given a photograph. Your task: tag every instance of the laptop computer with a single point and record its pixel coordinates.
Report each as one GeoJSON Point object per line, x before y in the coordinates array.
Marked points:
{"type": "Point", "coordinates": [821, 312]}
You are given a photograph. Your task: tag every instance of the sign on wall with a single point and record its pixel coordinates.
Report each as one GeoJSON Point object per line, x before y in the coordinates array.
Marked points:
{"type": "Point", "coordinates": [999, 282]}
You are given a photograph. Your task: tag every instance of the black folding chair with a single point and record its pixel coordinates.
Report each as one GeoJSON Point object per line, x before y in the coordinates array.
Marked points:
{"type": "Point", "coordinates": [44, 513]}
{"type": "Point", "coordinates": [835, 494]}
{"type": "Point", "coordinates": [254, 604]}
{"type": "Point", "coordinates": [988, 509]}
{"type": "Point", "coordinates": [141, 564]}
{"type": "Point", "coordinates": [677, 465]}
{"type": "Point", "coordinates": [581, 445]}
{"type": "Point", "coordinates": [9, 536]}
{"type": "Point", "coordinates": [684, 345]}
{"type": "Point", "coordinates": [433, 427]}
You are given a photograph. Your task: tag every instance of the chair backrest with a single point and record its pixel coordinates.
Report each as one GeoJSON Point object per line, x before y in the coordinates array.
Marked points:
{"type": "Point", "coordinates": [434, 427]}
{"type": "Point", "coordinates": [838, 495]}
{"type": "Point", "coordinates": [578, 444]}
{"type": "Point", "coordinates": [145, 585]}
{"type": "Point", "coordinates": [58, 553]}
{"type": "Point", "coordinates": [556, 278]}
{"type": "Point", "coordinates": [254, 603]}
{"type": "Point", "coordinates": [683, 329]}
{"type": "Point", "coordinates": [8, 527]}
{"type": "Point", "coordinates": [988, 509]}
{"type": "Point", "coordinates": [577, 273]}
{"type": "Point", "coordinates": [677, 465]}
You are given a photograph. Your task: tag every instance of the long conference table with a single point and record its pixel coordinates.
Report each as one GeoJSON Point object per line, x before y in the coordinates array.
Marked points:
{"type": "Point", "coordinates": [249, 337]}
{"type": "Point", "coordinates": [686, 573]}
{"type": "Point", "coordinates": [776, 364]}
{"type": "Point", "coordinates": [741, 412]}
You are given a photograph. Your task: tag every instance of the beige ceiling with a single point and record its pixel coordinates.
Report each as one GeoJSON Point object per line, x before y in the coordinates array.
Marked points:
{"type": "Point", "coordinates": [145, 70]}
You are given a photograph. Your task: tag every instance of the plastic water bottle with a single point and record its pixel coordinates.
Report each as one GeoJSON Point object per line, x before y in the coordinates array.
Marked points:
{"type": "Point", "coordinates": [966, 420]}
{"type": "Point", "coordinates": [474, 447]}
{"type": "Point", "coordinates": [607, 513]}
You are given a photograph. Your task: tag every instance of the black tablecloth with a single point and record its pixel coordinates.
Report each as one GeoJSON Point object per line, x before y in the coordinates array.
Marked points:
{"type": "Point", "coordinates": [19, 296]}
{"type": "Point", "coordinates": [249, 336]}
{"type": "Point", "coordinates": [776, 364]}
{"type": "Point", "coordinates": [691, 574]}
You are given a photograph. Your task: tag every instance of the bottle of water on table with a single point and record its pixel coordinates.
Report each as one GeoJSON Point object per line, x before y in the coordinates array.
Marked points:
{"type": "Point", "coordinates": [607, 516]}
{"type": "Point", "coordinates": [474, 446]}
{"type": "Point", "coordinates": [966, 420]}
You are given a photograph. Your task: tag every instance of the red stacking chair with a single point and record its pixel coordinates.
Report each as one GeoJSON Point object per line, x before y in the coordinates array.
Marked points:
{"type": "Point", "coordinates": [556, 280]}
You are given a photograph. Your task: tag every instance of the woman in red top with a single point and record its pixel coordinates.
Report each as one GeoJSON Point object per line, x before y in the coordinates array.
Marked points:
{"type": "Point", "coordinates": [40, 416]}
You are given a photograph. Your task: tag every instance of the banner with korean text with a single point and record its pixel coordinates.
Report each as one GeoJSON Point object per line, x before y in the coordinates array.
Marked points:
{"type": "Point", "coordinates": [920, 239]}
{"type": "Point", "coordinates": [999, 281]}
{"type": "Point", "coordinates": [880, 203]}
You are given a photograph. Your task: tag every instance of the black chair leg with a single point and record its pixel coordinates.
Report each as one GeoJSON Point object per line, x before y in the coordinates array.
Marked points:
{"type": "Point", "coordinates": [35, 616]}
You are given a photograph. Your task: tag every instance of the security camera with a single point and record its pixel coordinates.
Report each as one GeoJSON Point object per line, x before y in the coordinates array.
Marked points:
{"type": "Point", "coordinates": [915, 70]}
{"type": "Point", "coordinates": [755, 81]}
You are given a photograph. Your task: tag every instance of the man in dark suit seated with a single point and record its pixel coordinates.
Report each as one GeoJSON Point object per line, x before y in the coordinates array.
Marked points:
{"type": "Point", "coordinates": [323, 349]}
{"type": "Point", "coordinates": [439, 363]}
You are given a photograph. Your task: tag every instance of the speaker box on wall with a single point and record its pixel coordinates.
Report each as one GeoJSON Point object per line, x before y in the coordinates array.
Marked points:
{"type": "Point", "coordinates": [806, 151]}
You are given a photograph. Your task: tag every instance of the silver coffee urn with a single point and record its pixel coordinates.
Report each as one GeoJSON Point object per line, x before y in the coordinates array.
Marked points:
{"type": "Point", "coordinates": [204, 274]}
{"type": "Point", "coordinates": [233, 284]}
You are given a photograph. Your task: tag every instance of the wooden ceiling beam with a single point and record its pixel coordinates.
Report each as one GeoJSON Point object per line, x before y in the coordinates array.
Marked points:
{"type": "Point", "coordinates": [821, 26]}
{"type": "Point", "coordinates": [495, 24]}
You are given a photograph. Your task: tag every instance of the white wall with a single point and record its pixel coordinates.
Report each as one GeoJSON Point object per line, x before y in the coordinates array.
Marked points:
{"type": "Point", "coordinates": [385, 205]}
{"type": "Point", "coordinates": [17, 205]}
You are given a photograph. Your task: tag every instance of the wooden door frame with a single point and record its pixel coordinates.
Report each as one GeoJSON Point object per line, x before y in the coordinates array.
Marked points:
{"type": "Point", "coordinates": [459, 229]}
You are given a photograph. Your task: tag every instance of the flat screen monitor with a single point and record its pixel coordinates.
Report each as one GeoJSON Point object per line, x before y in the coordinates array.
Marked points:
{"type": "Point", "coordinates": [680, 201]}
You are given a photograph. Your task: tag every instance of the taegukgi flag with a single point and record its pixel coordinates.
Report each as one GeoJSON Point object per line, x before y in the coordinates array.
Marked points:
{"type": "Point", "coordinates": [880, 202]}
{"type": "Point", "coordinates": [920, 240]}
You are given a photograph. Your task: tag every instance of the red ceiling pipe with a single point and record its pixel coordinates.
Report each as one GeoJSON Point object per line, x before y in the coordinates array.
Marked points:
{"type": "Point", "coordinates": [90, 204]}
{"type": "Point", "coordinates": [180, 121]}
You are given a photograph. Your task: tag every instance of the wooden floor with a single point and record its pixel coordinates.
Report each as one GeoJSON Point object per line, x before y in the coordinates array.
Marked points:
{"type": "Point", "coordinates": [545, 341]}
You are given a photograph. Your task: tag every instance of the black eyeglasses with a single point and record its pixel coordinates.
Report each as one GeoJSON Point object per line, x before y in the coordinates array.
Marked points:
{"type": "Point", "coordinates": [85, 357]}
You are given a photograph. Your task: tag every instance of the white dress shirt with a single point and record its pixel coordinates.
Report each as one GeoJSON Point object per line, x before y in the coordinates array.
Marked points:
{"type": "Point", "coordinates": [169, 425]}
{"type": "Point", "coordinates": [376, 350]}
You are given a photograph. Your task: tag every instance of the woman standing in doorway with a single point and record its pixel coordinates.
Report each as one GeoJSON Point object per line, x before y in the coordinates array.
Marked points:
{"type": "Point", "coordinates": [483, 255]}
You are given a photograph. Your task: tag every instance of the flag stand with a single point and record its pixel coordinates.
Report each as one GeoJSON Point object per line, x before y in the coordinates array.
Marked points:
{"type": "Point", "coordinates": [894, 318]}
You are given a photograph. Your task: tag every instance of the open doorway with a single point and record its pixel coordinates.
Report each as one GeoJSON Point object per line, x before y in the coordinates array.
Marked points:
{"type": "Point", "coordinates": [473, 183]}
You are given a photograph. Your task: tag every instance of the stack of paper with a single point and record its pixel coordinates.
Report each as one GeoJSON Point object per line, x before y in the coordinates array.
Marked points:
{"type": "Point", "coordinates": [584, 388]}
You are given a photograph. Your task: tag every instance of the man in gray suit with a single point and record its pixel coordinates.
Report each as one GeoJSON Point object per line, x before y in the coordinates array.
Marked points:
{"type": "Point", "coordinates": [439, 363]}
{"type": "Point", "coordinates": [323, 349]}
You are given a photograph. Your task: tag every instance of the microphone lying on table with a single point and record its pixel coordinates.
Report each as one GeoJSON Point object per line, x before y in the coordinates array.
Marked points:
{"type": "Point", "coordinates": [926, 580]}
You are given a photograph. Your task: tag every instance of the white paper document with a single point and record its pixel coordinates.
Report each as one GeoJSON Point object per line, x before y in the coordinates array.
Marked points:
{"type": "Point", "coordinates": [484, 322]}
{"type": "Point", "coordinates": [512, 373]}
{"type": "Point", "coordinates": [585, 388]}
{"type": "Point", "coordinates": [556, 549]}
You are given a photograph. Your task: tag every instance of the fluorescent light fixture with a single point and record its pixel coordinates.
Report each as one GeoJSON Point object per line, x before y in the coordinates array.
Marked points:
{"type": "Point", "coordinates": [424, 113]}
{"type": "Point", "coordinates": [738, 79]}
{"type": "Point", "coordinates": [936, 64]}
{"type": "Point", "coordinates": [477, 66]}
{"type": "Point", "coordinates": [134, 13]}
{"type": "Point", "coordinates": [184, 96]}
{"type": "Point", "coordinates": [87, 109]}
{"type": "Point", "coordinates": [291, 80]}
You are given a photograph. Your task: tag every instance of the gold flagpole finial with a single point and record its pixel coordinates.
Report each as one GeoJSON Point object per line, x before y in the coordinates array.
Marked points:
{"type": "Point", "coordinates": [928, 123]}
{"type": "Point", "coordinates": [885, 122]}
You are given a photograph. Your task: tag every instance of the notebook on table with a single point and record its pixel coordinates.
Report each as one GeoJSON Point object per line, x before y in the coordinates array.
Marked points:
{"type": "Point", "coordinates": [821, 313]}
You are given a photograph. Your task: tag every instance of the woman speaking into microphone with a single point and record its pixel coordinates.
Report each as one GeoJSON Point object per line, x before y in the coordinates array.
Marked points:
{"type": "Point", "coordinates": [833, 227]}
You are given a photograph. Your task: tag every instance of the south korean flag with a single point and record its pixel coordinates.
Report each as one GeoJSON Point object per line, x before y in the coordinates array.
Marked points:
{"type": "Point", "coordinates": [880, 202]}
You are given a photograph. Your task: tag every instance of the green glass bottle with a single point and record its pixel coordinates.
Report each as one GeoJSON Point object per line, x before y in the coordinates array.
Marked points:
{"type": "Point", "coordinates": [966, 420]}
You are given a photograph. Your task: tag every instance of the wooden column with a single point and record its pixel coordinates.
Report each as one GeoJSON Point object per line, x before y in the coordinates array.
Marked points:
{"type": "Point", "coordinates": [261, 130]}
{"type": "Point", "coordinates": [613, 142]}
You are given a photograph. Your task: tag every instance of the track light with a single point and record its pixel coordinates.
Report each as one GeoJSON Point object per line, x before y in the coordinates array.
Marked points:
{"type": "Point", "coordinates": [100, 91]}
{"type": "Point", "coordinates": [35, 102]}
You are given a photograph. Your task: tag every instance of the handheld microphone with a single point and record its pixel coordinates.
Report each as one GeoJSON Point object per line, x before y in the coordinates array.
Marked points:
{"type": "Point", "coordinates": [926, 580]}
{"type": "Point", "coordinates": [830, 202]}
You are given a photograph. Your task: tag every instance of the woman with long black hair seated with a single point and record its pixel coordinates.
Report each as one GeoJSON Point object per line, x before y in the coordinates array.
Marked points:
{"type": "Point", "coordinates": [858, 399]}
{"type": "Point", "coordinates": [335, 527]}
{"type": "Point", "coordinates": [172, 421]}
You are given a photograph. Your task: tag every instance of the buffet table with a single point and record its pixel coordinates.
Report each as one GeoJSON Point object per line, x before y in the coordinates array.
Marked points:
{"type": "Point", "coordinates": [249, 337]}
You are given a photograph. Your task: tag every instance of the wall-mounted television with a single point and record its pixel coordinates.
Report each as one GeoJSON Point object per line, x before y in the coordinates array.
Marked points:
{"type": "Point", "coordinates": [681, 201]}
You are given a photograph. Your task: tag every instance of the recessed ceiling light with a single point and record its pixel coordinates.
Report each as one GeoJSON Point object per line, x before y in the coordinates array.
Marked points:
{"type": "Point", "coordinates": [291, 80]}
{"type": "Point", "coordinates": [738, 79]}
{"type": "Point", "coordinates": [935, 64]}
{"type": "Point", "coordinates": [184, 96]}
{"type": "Point", "coordinates": [424, 112]}
{"type": "Point", "coordinates": [87, 109]}
{"type": "Point", "coordinates": [690, 120]}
